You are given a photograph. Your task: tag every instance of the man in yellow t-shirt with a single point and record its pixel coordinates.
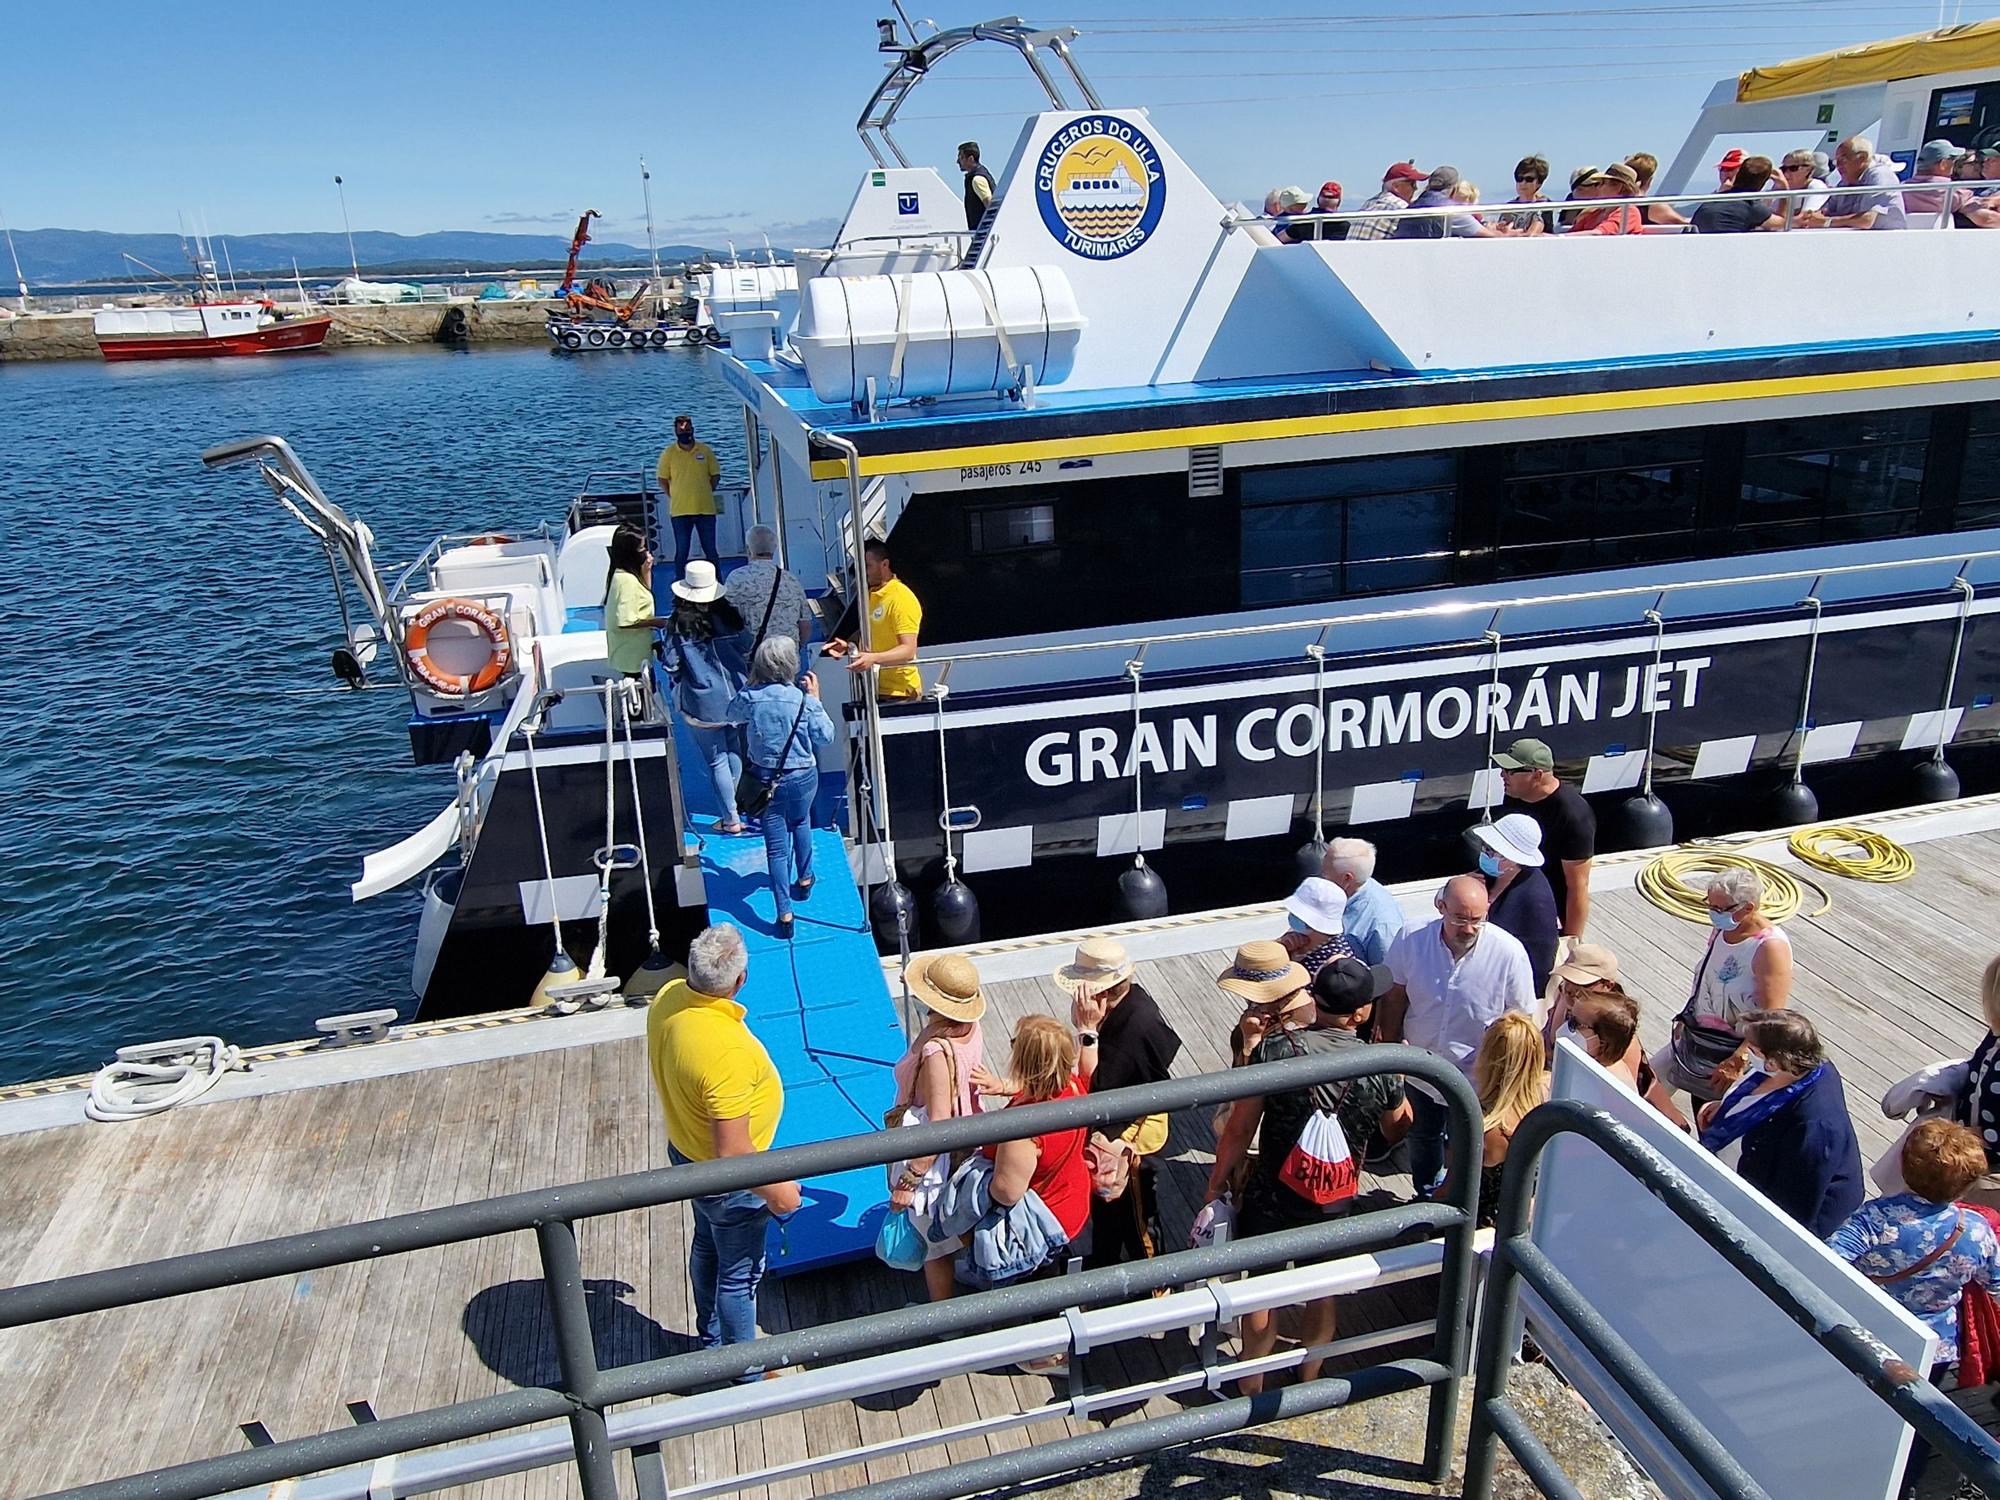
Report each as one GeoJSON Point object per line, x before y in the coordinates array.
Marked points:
{"type": "Point", "coordinates": [688, 472]}
{"type": "Point", "coordinates": [894, 619]}
{"type": "Point", "coordinates": [722, 1097]}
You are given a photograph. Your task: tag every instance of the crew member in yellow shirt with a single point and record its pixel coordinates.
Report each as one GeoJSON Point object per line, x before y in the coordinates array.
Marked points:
{"type": "Point", "coordinates": [688, 472]}
{"type": "Point", "coordinates": [894, 618]}
{"type": "Point", "coordinates": [722, 1097]}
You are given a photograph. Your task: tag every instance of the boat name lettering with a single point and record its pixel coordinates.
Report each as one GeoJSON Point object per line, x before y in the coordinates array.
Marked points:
{"type": "Point", "coordinates": [1545, 699]}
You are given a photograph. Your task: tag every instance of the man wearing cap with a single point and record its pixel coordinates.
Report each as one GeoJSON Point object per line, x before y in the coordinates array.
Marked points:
{"type": "Point", "coordinates": [1328, 202]}
{"type": "Point", "coordinates": [1291, 202]}
{"type": "Point", "coordinates": [1373, 918]}
{"type": "Point", "coordinates": [1725, 170]}
{"type": "Point", "coordinates": [1521, 900]}
{"type": "Point", "coordinates": [1292, 1020]}
{"type": "Point", "coordinates": [1742, 211]}
{"type": "Point", "coordinates": [1935, 160]}
{"type": "Point", "coordinates": [688, 471]}
{"type": "Point", "coordinates": [1399, 185]}
{"type": "Point", "coordinates": [1122, 1041]}
{"type": "Point", "coordinates": [721, 1097]}
{"type": "Point", "coordinates": [978, 184]}
{"type": "Point", "coordinates": [1569, 827]}
{"type": "Point", "coordinates": [1452, 978]}
{"type": "Point", "coordinates": [1437, 193]}
{"type": "Point", "coordinates": [1615, 181]}
{"type": "Point", "coordinates": [1983, 212]}
{"type": "Point", "coordinates": [1871, 205]}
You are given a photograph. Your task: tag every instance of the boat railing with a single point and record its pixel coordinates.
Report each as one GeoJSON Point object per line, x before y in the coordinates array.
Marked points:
{"type": "Point", "coordinates": [915, 61]}
{"type": "Point", "coordinates": [400, 590]}
{"type": "Point", "coordinates": [1791, 199]}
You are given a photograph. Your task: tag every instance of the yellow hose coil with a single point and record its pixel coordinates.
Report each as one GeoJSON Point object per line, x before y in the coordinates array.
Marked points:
{"type": "Point", "coordinates": [1830, 848]}
{"type": "Point", "coordinates": [1678, 883]}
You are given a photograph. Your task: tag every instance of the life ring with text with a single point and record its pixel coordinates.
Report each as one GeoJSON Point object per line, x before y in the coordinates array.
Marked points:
{"type": "Point", "coordinates": [416, 646]}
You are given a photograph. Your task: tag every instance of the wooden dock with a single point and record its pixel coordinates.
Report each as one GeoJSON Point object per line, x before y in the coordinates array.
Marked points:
{"type": "Point", "coordinates": [1890, 975]}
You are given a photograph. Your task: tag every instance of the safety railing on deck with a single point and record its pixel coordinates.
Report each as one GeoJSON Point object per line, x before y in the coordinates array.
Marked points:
{"type": "Point", "coordinates": [1068, 1314]}
{"type": "Point", "coordinates": [1517, 1259]}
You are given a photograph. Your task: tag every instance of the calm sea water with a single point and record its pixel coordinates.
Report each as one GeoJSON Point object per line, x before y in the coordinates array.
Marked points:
{"type": "Point", "coordinates": [184, 790]}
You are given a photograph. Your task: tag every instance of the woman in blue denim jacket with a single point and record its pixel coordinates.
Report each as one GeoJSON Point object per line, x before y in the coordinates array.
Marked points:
{"type": "Point", "coordinates": [695, 643]}
{"type": "Point", "coordinates": [785, 725]}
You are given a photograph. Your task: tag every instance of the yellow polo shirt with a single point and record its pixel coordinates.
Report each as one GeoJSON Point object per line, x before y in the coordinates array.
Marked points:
{"type": "Point", "coordinates": [708, 1067]}
{"type": "Point", "coordinates": [894, 611]}
{"type": "Point", "coordinates": [688, 476]}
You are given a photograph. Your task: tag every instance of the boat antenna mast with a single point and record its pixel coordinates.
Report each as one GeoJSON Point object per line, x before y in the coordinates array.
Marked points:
{"type": "Point", "coordinates": [911, 61]}
{"type": "Point", "coordinates": [652, 249]}
{"type": "Point", "coordinates": [20, 281]}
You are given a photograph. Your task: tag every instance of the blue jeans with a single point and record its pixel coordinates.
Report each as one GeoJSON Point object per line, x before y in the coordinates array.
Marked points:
{"type": "Point", "coordinates": [718, 748]}
{"type": "Point", "coordinates": [684, 529]}
{"type": "Point", "coordinates": [1427, 1138]}
{"type": "Point", "coordinates": [788, 834]}
{"type": "Point", "coordinates": [725, 1264]}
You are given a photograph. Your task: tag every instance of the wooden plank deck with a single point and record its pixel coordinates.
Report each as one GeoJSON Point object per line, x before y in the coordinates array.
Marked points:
{"type": "Point", "coordinates": [1890, 975]}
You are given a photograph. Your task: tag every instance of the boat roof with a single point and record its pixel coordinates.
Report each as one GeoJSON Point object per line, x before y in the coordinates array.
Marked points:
{"type": "Point", "coordinates": [1948, 49]}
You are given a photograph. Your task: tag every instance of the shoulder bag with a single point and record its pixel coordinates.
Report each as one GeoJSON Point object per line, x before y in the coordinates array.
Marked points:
{"type": "Point", "coordinates": [755, 785]}
{"type": "Point", "coordinates": [1699, 1050]}
{"type": "Point", "coordinates": [777, 578]}
{"type": "Point", "coordinates": [1919, 1267]}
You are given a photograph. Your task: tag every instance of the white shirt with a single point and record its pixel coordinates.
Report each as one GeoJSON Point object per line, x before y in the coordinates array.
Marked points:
{"type": "Point", "coordinates": [1454, 1000]}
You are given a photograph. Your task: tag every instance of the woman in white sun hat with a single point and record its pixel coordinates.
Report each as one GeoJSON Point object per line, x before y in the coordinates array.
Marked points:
{"type": "Point", "coordinates": [1314, 913]}
{"type": "Point", "coordinates": [704, 682]}
{"type": "Point", "coordinates": [1523, 901]}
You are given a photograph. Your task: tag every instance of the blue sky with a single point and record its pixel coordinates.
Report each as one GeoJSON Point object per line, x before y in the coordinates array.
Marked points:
{"type": "Point", "coordinates": [450, 116]}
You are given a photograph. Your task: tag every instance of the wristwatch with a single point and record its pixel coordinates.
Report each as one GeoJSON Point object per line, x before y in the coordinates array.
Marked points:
{"type": "Point", "coordinates": [1086, 1039]}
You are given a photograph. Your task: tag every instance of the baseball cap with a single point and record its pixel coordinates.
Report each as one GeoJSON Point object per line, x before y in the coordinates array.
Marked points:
{"type": "Point", "coordinates": [1292, 197]}
{"type": "Point", "coordinates": [1933, 152]}
{"type": "Point", "coordinates": [1731, 160]}
{"type": "Point", "coordinates": [1345, 985]}
{"type": "Point", "coordinates": [1403, 171]}
{"type": "Point", "coordinates": [1329, 190]}
{"type": "Point", "coordinates": [1443, 179]}
{"type": "Point", "coordinates": [1991, 153]}
{"type": "Point", "coordinates": [1526, 755]}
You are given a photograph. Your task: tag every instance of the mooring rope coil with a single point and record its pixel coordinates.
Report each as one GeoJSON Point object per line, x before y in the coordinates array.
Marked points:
{"type": "Point", "coordinates": [1830, 847]}
{"type": "Point", "coordinates": [1665, 882]}
{"type": "Point", "coordinates": [159, 1076]}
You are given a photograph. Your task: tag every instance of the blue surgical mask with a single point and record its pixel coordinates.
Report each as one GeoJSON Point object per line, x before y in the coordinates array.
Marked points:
{"type": "Point", "coordinates": [1753, 1062]}
{"type": "Point", "coordinates": [1489, 864]}
{"type": "Point", "coordinates": [1724, 920]}
{"type": "Point", "coordinates": [1295, 924]}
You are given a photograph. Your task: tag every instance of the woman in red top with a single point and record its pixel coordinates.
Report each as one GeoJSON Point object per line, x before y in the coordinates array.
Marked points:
{"type": "Point", "coordinates": [1043, 1067]}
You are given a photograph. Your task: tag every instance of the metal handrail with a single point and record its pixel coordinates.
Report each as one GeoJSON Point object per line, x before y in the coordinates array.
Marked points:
{"type": "Point", "coordinates": [1453, 609]}
{"type": "Point", "coordinates": [1516, 1259]}
{"type": "Point", "coordinates": [1557, 205]}
{"type": "Point", "coordinates": [585, 1389]}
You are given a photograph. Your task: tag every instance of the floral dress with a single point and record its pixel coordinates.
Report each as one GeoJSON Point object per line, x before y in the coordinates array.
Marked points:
{"type": "Point", "coordinates": [1892, 1234]}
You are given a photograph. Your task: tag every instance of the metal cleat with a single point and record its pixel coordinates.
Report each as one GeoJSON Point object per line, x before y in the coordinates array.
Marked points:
{"type": "Point", "coordinates": [356, 1026]}
{"type": "Point", "coordinates": [566, 999]}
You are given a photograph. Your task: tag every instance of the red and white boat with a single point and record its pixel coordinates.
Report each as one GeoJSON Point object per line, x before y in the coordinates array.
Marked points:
{"type": "Point", "coordinates": [204, 330]}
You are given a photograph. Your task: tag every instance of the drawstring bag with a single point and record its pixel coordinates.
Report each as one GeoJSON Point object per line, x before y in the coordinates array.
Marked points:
{"type": "Point", "coordinates": [1319, 1167]}
{"type": "Point", "coordinates": [897, 1243]}
{"type": "Point", "coordinates": [1214, 1225]}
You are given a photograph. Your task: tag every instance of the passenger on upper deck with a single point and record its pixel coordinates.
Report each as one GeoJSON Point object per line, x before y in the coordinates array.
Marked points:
{"type": "Point", "coordinates": [1530, 172]}
{"type": "Point", "coordinates": [1935, 162]}
{"type": "Point", "coordinates": [1801, 172]}
{"type": "Point", "coordinates": [1438, 193]}
{"type": "Point", "coordinates": [978, 184]}
{"type": "Point", "coordinates": [1646, 166]}
{"type": "Point", "coordinates": [1577, 178]}
{"type": "Point", "coordinates": [1743, 212]}
{"type": "Point", "coordinates": [1399, 186]}
{"type": "Point", "coordinates": [1871, 208]}
{"type": "Point", "coordinates": [1291, 201]}
{"type": "Point", "coordinates": [1615, 181]}
{"type": "Point", "coordinates": [1983, 212]}
{"type": "Point", "coordinates": [894, 618]}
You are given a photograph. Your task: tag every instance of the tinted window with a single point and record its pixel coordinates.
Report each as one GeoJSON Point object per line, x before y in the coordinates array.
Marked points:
{"type": "Point", "coordinates": [1355, 526]}
{"type": "Point", "coordinates": [1979, 482]}
{"type": "Point", "coordinates": [1833, 479]}
{"type": "Point", "coordinates": [1598, 501]}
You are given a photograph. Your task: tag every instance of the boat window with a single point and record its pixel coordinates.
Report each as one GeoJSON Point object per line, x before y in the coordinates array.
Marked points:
{"type": "Point", "coordinates": [1597, 501]}
{"type": "Point", "coordinates": [1010, 528]}
{"type": "Point", "coordinates": [1836, 479]}
{"type": "Point", "coordinates": [1355, 526]}
{"type": "Point", "coordinates": [1965, 115]}
{"type": "Point", "coordinates": [1979, 484]}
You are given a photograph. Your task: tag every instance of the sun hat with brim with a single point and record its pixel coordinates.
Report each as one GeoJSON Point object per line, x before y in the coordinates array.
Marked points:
{"type": "Point", "coordinates": [1517, 837]}
{"type": "Point", "coordinates": [1588, 964]}
{"type": "Point", "coordinates": [1101, 963]}
{"type": "Point", "coordinates": [1318, 903]}
{"type": "Point", "coordinates": [1263, 972]}
{"type": "Point", "coordinates": [698, 585]}
{"type": "Point", "coordinates": [948, 984]}
{"type": "Point", "coordinates": [1617, 174]}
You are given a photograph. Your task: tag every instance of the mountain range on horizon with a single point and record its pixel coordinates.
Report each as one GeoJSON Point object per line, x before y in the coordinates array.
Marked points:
{"type": "Point", "coordinates": [54, 257]}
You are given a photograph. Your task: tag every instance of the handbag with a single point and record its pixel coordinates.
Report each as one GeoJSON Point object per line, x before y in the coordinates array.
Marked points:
{"type": "Point", "coordinates": [753, 792]}
{"type": "Point", "coordinates": [898, 1113]}
{"type": "Point", "coordinates": [1109, 1161]}
{"type": "Point", "coordinates": [898, 1245]}
{"type": "Point", "coordinates": [1699, 1050]}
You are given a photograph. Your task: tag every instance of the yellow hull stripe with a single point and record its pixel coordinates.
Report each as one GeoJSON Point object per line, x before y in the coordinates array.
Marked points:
{"type": "Point", "coordinates": [1405, 417]}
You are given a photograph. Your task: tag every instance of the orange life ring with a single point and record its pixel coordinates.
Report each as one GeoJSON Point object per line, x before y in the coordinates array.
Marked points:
{"type": "Point", "coordinates": [416, 640]}
{"type": "Point", "coordinates": [495, 540]}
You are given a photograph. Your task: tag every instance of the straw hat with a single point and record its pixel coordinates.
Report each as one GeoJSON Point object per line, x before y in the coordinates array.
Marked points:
{"type": "Point", "coordinates": [1101, 964]}
{"type": "Point", "coordinates": [1517, 837]}
{"type": "Point", "coordinates": [949, 985]}
{"type": "Point", "coordinates": [1263, 973]}
{"type": "Point", "coordinates": [698, 585]}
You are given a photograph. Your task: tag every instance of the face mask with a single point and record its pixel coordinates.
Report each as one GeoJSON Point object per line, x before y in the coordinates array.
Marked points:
{"type": "Point", "coordinates": [1295, 924]}
{"type": "Point", "coordinates": [685, 439]}
{"type": "Point", "coordinates": [1489, 864]}
{"type": "Point", "coordinates": [1753, 1062]}
{"type": "Point", "coordinates": [1723, 920]}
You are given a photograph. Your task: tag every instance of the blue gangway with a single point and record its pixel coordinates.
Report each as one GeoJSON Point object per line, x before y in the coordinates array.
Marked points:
{"type": "Point", "coordinates": [820, 1005]}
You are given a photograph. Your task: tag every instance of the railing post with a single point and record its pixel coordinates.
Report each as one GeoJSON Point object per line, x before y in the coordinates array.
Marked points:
{"type": "Point", "coordinates": [1448, 1343]}
{"type": "Point", "coordinates": [562, 1275]}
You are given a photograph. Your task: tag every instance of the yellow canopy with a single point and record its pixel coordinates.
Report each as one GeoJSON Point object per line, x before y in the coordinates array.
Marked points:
{"type": "Point", "coordinates": [1948, 50]}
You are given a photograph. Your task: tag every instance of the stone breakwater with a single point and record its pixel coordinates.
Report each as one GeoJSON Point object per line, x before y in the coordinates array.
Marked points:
{"type": "Point", "coordinates": [68, 335]}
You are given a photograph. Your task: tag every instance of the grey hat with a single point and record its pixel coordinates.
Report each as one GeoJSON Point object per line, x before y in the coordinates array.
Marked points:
{"type": "Point", "coordinates": [1443, 179]}
{"type": "Point", "coordinates": [1933, 152]}
{"type": "Point", "coordinates": [1526, 755]}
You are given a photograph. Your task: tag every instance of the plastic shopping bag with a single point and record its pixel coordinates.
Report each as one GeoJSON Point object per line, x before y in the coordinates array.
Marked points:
{"type": "Point", "coordinates": [1319, 1167]}
{"type": "Point", "coordinates": [1214, 1225]}
{"type": "Point", "coordinates": [897, 1243]}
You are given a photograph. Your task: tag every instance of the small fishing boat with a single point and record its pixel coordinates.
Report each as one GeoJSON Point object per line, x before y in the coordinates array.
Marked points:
{"type": "Point", "coordinates": [208, 329]}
